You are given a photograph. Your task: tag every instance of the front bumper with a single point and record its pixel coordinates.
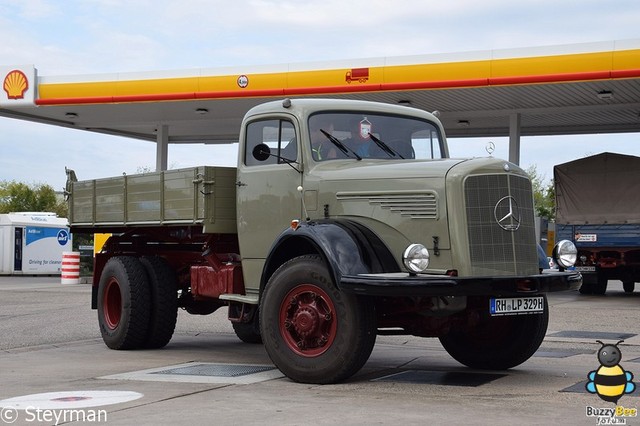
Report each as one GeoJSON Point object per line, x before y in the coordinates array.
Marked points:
{"type": "Point", "coordinates": [403, 284]}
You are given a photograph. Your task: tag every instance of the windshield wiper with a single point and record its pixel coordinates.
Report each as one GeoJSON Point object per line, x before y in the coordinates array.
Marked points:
{"type": "Point", "coordinates": [342, 147]}
{"type": "Point", "coordinates": [386, 148]}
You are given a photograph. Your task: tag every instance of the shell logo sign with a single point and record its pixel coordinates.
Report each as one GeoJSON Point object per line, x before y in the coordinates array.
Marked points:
{"type": "Point", "coordinates": [15, 84]}
{"type": "Point", "coordinates": [18, 86]}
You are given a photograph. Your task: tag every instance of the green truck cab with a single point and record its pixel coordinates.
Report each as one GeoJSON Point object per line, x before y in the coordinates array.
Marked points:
{"type": "Point", "coordinates": [343, 220]}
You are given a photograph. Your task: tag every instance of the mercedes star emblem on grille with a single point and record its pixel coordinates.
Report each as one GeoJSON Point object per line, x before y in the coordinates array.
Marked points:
{"type": "Point", "coordinates": [507, 213]}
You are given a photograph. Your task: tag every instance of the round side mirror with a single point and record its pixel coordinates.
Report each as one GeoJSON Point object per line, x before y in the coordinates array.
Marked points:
{"type": "Point", "coordinates": [261, 152]}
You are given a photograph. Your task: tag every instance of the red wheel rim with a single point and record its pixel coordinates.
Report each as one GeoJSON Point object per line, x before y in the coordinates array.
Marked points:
{"type": "Point", "coordinates": [308, 320]}
{"type": "Point", "coordinates": [112, 304]}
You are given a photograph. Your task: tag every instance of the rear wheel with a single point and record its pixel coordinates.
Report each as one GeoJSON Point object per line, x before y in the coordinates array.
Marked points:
{"type": "Point", "coordinates": [628, 286]}
{"type": "Point", "coordinates": [313, 332]}
{"type": "Point", "coordinates": [124, 303]}
{"type": "Point", "coordinates": [248, 332]}
{"type": "Point", "coordinates": [497, 343]}
{"type": "Point", "coordinates": [164, 301]}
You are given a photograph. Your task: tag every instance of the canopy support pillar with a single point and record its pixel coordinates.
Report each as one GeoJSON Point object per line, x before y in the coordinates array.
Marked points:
{"type": "Point", "coordinates": [514, 138]}
{"type": "Point", "coordinates": [162, 147]}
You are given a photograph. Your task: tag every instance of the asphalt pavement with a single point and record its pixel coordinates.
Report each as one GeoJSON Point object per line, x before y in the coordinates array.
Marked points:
{"type": "Point", "coordinates": [55, 369]}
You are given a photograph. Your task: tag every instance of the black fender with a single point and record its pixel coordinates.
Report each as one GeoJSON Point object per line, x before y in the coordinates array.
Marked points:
{"type": "Point", "coordinates": [347, 247]}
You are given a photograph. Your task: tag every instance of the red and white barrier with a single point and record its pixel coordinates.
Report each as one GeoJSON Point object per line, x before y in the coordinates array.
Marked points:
{"type": "Point", "coordinates": [70, 270]}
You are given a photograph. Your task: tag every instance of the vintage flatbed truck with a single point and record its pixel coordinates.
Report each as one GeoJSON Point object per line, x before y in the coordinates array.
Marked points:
{"type": "Point", "coordinates": [316, 245]}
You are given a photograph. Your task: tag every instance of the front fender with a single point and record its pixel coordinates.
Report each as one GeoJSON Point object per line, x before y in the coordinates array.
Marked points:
{"type": "Point", "coordinates": [347, 247]}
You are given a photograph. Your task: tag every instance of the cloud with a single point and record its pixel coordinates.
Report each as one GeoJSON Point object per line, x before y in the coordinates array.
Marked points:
{"type": "Point", "coordinates": [38, 153]}
{"type": "Point", "coordinates": [33, 10]}
{"type": "Point", "coordinates": [92, 36]}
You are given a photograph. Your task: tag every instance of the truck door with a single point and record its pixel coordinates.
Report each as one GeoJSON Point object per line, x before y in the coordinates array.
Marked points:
{"type": "Point", "coordinates": [267, 194]}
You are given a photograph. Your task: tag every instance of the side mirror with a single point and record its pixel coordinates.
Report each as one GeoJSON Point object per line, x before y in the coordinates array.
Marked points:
{"type": "Point", "coordinates": [261, 152]}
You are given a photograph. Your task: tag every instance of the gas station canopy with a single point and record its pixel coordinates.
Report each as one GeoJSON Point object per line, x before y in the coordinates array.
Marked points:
{"type": "Point", "coordinates": [552, 90]}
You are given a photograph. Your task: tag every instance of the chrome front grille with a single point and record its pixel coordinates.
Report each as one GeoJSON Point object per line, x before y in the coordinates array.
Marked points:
{"type": "Point", "coordinates": [494, 249]}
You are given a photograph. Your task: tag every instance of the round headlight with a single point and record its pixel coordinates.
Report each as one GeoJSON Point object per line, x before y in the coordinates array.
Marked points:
{"type": "Point", "coordinates": [565, 254]}
{"type": "Point", "coordinates": [416, 258]}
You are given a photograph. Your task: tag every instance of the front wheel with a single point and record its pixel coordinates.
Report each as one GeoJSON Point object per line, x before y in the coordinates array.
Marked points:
{"type": "Point", "coordinates": [497, 343]}
{"type": "Point", "coordinates": [313, 332]}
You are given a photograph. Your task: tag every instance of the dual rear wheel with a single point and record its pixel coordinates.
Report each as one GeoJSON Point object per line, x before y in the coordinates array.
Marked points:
{"type": "Point", "coordinates": [137, 302]}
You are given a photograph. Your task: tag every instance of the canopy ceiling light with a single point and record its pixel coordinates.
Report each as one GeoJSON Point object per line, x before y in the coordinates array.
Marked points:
{"type": "Point", "coordinates": [605, 94]}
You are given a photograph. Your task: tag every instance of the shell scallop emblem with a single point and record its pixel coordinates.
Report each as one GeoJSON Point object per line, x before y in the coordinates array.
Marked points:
{"type": "Point", "coordinates": [15, 84]}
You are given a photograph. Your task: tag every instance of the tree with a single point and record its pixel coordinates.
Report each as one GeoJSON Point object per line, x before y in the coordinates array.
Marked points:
{"type": "Point", "coordinates": [20, 197]}
{"type": "Point", "coordinates": [544, 196]}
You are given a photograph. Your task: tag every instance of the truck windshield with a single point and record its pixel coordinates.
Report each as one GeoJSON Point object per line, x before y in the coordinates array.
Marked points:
{"type": "Point", "coordinates": [358, 135]}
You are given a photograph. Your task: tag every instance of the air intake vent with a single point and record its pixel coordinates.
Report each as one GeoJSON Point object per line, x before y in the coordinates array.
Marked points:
{"type": "Point", "coordinates": [415, 205]}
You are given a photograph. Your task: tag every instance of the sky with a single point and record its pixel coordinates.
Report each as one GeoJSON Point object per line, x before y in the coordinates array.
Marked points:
{"type": "Point", "coordinates": [75, 37]}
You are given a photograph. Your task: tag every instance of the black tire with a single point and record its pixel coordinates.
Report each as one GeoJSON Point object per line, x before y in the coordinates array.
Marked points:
{"type": "Point", "coordinates": [586, 288]}
{"type": "Point", "coordinates": [588, 282]}
{"type": "Point", "coordinates": [164, 301]}
{"type": "Point", "coordinates": [248, 332]}
{"type": "Point", "coordinates": [336, 330]}
{"type": "Point", "coordinates": [628, 286]}
{"type": "Point", "coordinates": [497, 343]}
{"type": "Point", "coordinates": [600, 287]}
{"type": "Point", "coordinates": [124, 303]}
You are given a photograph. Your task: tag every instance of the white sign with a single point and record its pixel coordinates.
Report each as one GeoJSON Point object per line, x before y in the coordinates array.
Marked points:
{"type": "Point", "coordinates": [43, 247]}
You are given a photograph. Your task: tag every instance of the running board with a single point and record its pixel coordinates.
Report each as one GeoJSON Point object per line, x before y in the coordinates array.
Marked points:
{"type": "Point", "coordinates": [241, 298]}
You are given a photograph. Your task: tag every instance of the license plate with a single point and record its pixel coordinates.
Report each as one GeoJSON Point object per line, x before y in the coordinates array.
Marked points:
{"type": "Point", "coordinates": [585, 268]}
{"type": "Point", "coordinates": [516, 305]}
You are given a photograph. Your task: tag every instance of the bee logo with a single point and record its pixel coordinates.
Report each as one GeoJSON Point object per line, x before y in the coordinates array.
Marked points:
{"type": "Point", "coordinates": [610, 381]}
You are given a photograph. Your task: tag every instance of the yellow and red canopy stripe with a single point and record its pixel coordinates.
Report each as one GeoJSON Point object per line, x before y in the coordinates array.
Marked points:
{"type": "Point", "coordinates": [615, 64]}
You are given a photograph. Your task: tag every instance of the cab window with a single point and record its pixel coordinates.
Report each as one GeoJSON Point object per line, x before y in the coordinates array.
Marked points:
{"type": "Point", "coordinates": [361, 134]}
{"type": "Point", "coordinates": [278, 135]}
